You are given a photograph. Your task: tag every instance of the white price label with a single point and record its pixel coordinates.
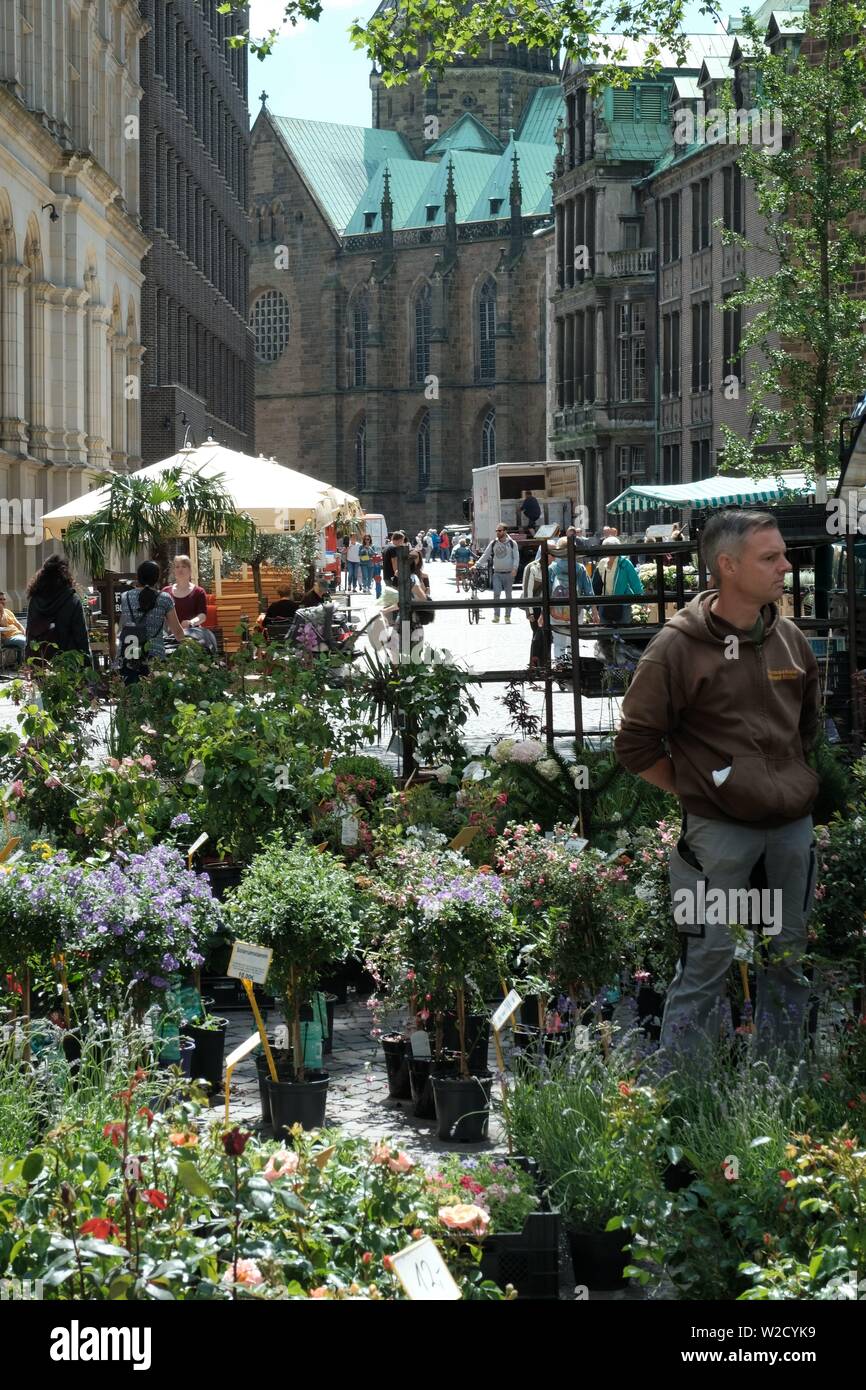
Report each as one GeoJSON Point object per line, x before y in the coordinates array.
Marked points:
{"type": "Point", "coordinates": [243, 1050]}
{"type": "Point", "coordinates": [350, 830]}
{"type": "Point", "coordinates": [419, 1041]}
{"type": "Point", "coordinates": [510, 1003]}
{"type": "Point", "coordinates": [250, 962]}
{"type": "Point", "coordinates": [424, 1274]}
{"type": "Point", "coordinates": [197, 844]}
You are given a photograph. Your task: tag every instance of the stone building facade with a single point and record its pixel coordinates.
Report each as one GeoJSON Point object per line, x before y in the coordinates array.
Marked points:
{"type": "Point", "coordinates": [71, 247]}
{"type": "Point", "coordinates": [397, 286]}
{"type": "Point", "coordinates": [198, 367]}
{"type": "Point", "coordinates": [648, 364]}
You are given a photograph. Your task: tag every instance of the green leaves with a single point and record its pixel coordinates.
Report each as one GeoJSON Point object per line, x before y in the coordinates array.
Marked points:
{"type": "Point", "coordinates": [191, 1180]}
{"type": "Point", "coordinates": [32, 1166]}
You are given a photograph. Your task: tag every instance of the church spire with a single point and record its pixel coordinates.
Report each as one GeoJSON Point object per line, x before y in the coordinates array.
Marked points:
{"type": "Point", "coordinates": [387, 209]}
{"type": "Point", "coordinates": [516, 248]}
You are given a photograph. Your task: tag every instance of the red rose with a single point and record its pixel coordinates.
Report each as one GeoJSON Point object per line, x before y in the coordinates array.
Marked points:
{"type": "Point", "coordinates": [100, 1227]}
{"type": "Point", "coordinates": [154, 1197]}
{"type": "Point", "coordinates": [235, 1142]}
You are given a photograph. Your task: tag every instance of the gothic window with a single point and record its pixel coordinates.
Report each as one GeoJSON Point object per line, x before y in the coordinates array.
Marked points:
{"type": "Point", "coordinates": [488, 439]}
{"type": "Point", "coordinates": [421, 355]}
{"type": "Point", "coordinates": [361, 456]}
{"type": "Point", "coordinates": [360, 337]}
{"type": "Point", "coordinates": [422, 451]}
{"type": "Point", "coordinates": [487, 332]}
{"type": "Point", "coordinates": [269, 320]}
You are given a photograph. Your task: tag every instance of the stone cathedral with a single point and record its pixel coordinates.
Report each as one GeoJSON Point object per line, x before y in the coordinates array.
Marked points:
{"type": "Point", "coordinates": [398, 285]}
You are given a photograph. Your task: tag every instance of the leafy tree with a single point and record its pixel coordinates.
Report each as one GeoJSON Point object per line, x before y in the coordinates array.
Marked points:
{"type": "Point", "coordinates": [424, 36]}
{"type": "Point", "coordinates": [808, 321]}
{"type": "Point", "coordinates": [149, 513]}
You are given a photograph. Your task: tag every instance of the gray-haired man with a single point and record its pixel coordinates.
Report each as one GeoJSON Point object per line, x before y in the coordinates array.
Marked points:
{"type": "Point", "coordinates": [722, 709]}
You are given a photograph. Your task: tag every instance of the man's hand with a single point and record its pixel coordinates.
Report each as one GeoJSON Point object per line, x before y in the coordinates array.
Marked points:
{"type": "Point", "coordinates": [661, 774]}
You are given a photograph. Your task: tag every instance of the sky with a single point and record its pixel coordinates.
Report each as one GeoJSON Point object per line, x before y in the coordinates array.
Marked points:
{"type": "Point", "coordinates": [316, 73]}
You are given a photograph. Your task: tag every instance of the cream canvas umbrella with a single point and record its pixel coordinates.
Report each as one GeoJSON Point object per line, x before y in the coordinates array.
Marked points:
{"type": "Point", "coordinates": [276, 499]}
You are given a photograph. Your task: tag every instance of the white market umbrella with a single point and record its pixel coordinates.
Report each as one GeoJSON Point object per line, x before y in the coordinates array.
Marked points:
{"type": "Point", "coordinates": [276, 499]}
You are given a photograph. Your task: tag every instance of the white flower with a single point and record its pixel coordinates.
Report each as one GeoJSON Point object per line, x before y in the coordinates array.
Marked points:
{"type": "Point", "coordinates": [502, 752]}
{"type": "Point", "coordinates": [549, 769]}
{"type": "Point", "coordinates": [529, 750]}
{"type": "Point", "coordinates": [443, 772]}
{"type": "Point", "coordinates": [475, 772]}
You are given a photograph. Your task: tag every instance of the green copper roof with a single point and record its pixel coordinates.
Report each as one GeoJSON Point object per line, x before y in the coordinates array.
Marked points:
{"type": "Point", "coordinates": [468, 133]}
{"type": "Point", "coordinates": [542, 116]}
{"type": "Point", "coordinates": [409, 178]}
{"type": "Point", "coordinates": [471, 172]}
{"type": "Point", "coordinates": [338, 161]}
{"type": "Point", "coordinates": [534, 164]}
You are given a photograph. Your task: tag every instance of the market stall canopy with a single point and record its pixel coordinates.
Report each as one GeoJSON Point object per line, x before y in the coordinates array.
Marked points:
{"type": "Point", "coordinates": [712, 492]}
{"type": "Point", "coordinates": [277, 499]}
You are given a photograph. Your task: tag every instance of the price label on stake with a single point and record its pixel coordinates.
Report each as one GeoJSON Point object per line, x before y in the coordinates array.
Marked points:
{"type": "Point", "coordinates": [250, 962]}
{"type": "Point", "coordinates": [424, 1274]}
{"type": "Point", "coordinates": [419, 1041]}
{"type": "Point", "coordinates": [243, 1050]}
{"type": "Point", "coordinates": [197, 844]}
{"type": "Point", "coordinates": [509, 1005]}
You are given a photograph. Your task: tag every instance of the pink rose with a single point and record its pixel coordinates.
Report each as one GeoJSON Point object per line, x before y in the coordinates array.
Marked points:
{"type": "Point", "coordinates": [465, 1217]}
{"type": "Point", "coordinates": [18, 788]}
{"type": "Point", "coordinates": [280, 1164]}
{"type": "Point", "coordinates": [246, 1272]}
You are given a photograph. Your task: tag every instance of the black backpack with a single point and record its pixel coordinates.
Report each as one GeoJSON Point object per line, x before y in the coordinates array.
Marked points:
{"type": "Point", "coordinates": [132, 645]}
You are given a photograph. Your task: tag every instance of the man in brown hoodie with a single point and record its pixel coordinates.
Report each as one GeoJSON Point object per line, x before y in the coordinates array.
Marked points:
{"type": "Point", "coordinates": [722, 709]}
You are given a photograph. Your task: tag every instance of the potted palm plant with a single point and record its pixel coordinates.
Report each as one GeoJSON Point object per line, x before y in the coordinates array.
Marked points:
{"type": "Point", "coordinates": [298, 902]}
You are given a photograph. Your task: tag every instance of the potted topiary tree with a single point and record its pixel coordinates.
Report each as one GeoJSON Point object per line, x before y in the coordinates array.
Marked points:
{"type": "Point", "coordinates": [298, 902]}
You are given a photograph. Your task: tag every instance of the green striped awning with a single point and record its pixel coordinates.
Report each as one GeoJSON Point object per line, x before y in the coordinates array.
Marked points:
{"type": "Point", "coordinates": [712, 492]}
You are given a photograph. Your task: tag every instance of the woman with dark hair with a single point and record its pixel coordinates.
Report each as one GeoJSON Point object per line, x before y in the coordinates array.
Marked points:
{"type": "Point", "coordinates": [144, 611]}
{"type": "Point", "coordinates": [55, 613]}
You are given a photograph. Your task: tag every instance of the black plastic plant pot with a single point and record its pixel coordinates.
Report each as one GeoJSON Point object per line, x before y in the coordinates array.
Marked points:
{"type": "Point", "coordinates": [298, 1102]}
{"type": "Point", "coordinates": [462, 1108]}
{"type": "Point", "coordinates": [210, 1048]}
{"type": "Point", "coordinates": [598, 1258]}
{"type": "Point", "coordinates": [396, 1052]}
{"type": "Point", "coordinates": [225, 992]}
{"type": "Point", "coordinates": [421, 1088]}
{"type": "Point", "coordinates": [477, 1040]}
{"type": "Point", "coordinates": [284, 1062]}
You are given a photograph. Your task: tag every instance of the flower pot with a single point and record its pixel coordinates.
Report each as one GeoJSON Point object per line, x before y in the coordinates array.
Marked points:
{"type": "Point", "coordinates": [462, 1107]}
{"type": "Point", "coordinates": [598, 1257]}
{"type": "Point", "coordinates": [477, 1040]}
{"type": "Point", "coordinates": [298, 1102]}
{"type": "Point", "coordinates": [223, 875]}
{"type": "Point", "coordinates": [226, 992]}
{"type": "Point", "coordinates": [210, 1047]}
{"type": "Point", "coordinates": [285, 1064]}
{"type": "Point", "coordinates": [183, 1060]}
{"type": "Point", "coordinates": [396, 1052]}
{"type": "Point", "coordinates": [421, 1087]}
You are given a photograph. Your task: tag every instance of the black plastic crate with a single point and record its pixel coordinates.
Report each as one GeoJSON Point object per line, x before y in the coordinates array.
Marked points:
{"type": "Point", "coordinates": [528, 1259]}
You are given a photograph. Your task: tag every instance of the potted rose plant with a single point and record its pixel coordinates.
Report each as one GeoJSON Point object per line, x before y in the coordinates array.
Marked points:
{"type": "Point", "coordinates": [299, 903]}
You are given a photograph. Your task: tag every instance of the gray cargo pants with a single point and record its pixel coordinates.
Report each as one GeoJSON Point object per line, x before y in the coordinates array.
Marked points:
{"type": "Point", "coordinates": [727, 855]}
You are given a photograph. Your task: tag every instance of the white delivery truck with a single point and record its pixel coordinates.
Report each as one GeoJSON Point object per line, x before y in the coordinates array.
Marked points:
{"type": "Point", "coordinates": [497, 492]}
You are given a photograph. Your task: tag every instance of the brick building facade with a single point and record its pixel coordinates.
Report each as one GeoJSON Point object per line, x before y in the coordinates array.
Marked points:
{"type": "Point", "coordinates": [398, 286]}
{"type": "Point", "coordinates": [198, 364]}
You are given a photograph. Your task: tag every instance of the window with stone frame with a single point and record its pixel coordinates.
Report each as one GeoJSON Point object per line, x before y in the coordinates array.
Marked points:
{"type": "Point", "coordinates": [671, 354]}
{"type": "Point", "coordinates": [700, 214]}
{"type": "Point", "coordinates": [671, 464]}
{"type": "Point", "coordinates": [422, 451]}
{"type": "Point", "coordinates": [360, 445]}
{"type": "Point", "coordinates": [488, 439]}
{"type": "Point", "coordinates": [701, 459]}
{"type": "Point", "coordinates": [732, 333]}
{"type": "Point", "coordinates": [360, 335]}
{"type": "Point", "coordinates": [631, 350]}
{"type": "Point", "coordinates": [487, 332]}
{"type": "Point", "coordinates": [420, 364]}
{"type": "Point", "coordinates": [671, 228]}
{"type": "Point", "coordinates": [732, 199]}
{"type": "Point", "coordinates": [701, 346]}
{"type": "Point", "coordinates": [269, 320]}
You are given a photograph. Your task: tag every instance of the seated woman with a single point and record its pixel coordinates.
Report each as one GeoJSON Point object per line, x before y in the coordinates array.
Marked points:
{"type": "Point", "coordinates": [11, 632]}
{"type": "Point", "coordinates": [190, 603]}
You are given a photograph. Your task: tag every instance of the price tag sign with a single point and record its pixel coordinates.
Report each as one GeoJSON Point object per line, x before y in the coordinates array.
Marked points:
{"type": "Point", "coordinates": [510, 1003]}
{"type": "Point", "coordinates": [250, 962]}
{"type": "Point", "coordinates": [8, 850]}
{"type": "Point", "coordinates": [424, 1274]}
{"type": "Point", "coordinates": [464, 837]}
{"type": "Point", "coordinates": [197, 844]}
{"type": "Point", "coordinates": [745, 950]}
{"type": "Point", "coordinates": [350, 830]}
{"type": "Point", "coordinates": [419, 1041]}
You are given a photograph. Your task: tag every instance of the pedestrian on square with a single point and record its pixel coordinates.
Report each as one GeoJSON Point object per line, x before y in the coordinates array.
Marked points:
{"type": "Point", "coordinates": [616, 575]}
{"type": "Point", "coordinates": [389, 558]}
{"type": "Point", "coordinates": [376, 573]}
{"type": "Point", "coordinates": [55, 613]}
{"type": "Point", "coordinates": [560, 595]}
{"type": "Point", "coordinates": [505, 557]}
{"type": "Point", "coordinates": [434, 542]}
{"type": "Point", "coordinates": [365, 559]}
{"type": "Point", "coordinates": [444, 545]}
{"type": "Point", "coordinates": [533, 588]}
{"type": "Point", "coordinates": [721, 712]}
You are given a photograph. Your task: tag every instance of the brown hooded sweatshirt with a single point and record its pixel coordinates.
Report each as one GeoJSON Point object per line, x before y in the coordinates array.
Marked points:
{"type": "Point", "coordinates": [755, 713]}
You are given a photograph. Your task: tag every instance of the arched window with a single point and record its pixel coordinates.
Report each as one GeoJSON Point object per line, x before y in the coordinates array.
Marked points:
{"type": "Point", "coordinates": [487, 332]}
{"type": "Point", "coordinates": [488, 439]}
{"type": "Point", "coordinates": [422, 451]}
{"type": "Point", "coordinates": [360, 338]}
{"type": "Point", "coordinates": [269, 320]}
{"type": "Point", "coordinates": [421, 350]}
{"type": "Point", "coordinates": [361, 456]}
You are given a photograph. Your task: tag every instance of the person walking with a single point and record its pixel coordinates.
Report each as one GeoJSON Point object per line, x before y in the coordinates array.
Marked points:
{"type": "Point", "coordinates": [444, 545]}
{"type": "Point", "coordinates": [616, 575]}
{"type": "Point", "coordinates": [144, 612]}
{"type": "Point", "coordinates": [376, 572]}
{"type": "Point", "coordinates": [365, 559]}
{"type": "Point", "coordinates": [11, 632]}
{"type": "Point", "coordinates": [505, 557]}
{"type": "Point", "coordinates": [353, 557]}
{"type": "Point", "coordinates": [434, 542]}
{"type": "Point", "coordinates": [721, 712]}
{"type": "Point", "coordinates": [389, 558]}
{"type": "Point", "coordinates": [560, 595]}
{"type": "Point", "coordinates": [55, 613]}
{"type": "Point", "coordinates": [533, 588]}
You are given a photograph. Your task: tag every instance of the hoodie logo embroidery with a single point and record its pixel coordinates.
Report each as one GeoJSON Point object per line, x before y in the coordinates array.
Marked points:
{"type": "Point", "coordinates": [785, 675]}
